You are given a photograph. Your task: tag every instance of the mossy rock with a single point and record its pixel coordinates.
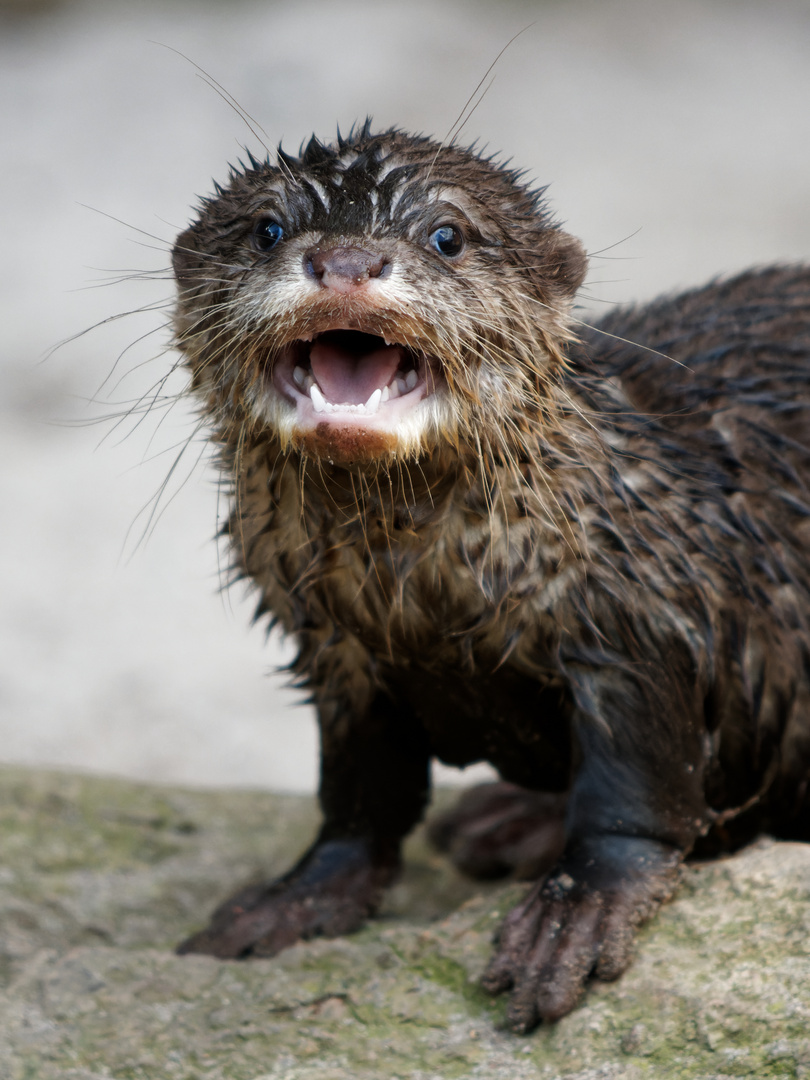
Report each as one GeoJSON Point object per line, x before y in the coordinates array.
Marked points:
{"type": "Point", "coordinates": [101, 877]}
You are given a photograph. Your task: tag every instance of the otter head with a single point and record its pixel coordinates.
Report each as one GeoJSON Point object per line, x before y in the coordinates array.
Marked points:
{"type": "Point", "coordinates": [373, 299]}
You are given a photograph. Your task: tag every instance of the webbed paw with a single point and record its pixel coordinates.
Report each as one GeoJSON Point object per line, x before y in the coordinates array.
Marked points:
{"type": "Point", "coordinates": [581, 920]}
{"type": "Point", "coordinates": [332, 891]}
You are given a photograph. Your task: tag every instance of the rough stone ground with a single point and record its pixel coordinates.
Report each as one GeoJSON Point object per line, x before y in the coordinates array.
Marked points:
{"type": "Point", "coordinates": [101, 877]}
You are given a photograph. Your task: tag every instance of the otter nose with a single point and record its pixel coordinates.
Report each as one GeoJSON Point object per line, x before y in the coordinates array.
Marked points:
{"type": "Point", "coordinates": [343, 268]}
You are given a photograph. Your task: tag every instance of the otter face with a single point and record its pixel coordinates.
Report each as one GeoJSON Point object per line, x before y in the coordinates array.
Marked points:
{"type": "Point", "coordinates": [369, 300]}
{"type": "Point", "coordinates": [360, 378]}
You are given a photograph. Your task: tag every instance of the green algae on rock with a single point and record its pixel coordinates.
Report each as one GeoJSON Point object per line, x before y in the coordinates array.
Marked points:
{"type": "Point", "coordinates": [101, 877]}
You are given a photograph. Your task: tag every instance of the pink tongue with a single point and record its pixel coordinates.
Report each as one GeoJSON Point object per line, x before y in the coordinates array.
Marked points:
{"type": "Point", "coordinates": [347, 378]}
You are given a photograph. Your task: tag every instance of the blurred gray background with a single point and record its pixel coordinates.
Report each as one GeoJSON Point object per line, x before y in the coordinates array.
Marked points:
{"type": "Point", "coordinates": [674, 134]}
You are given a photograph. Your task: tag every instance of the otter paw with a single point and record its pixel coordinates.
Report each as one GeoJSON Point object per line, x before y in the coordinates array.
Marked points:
{"type": "Point", "coordinates": [331, 891]}
{"type": "Point", "coordinates": [499, 829]}
{"type": "Point", "coordinates": [580, 921]}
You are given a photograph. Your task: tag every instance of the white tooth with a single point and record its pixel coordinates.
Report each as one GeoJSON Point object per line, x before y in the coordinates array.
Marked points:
{"type": "Point", "coordinates": [393, 388]}
{"type": "Point", "coordinates": [299, 376]}
{"type": "Point", "coordinates": [412, 378]}
{"type": "Point", "coordinates": [401, 385]}
{"type": "Point", "coordinates": [373, 402]}
{"type": "Point", "coordinates": [386, 394]}
{"type": "Point", "coordinates": [318, 400]}
{"type": "Point", "coordinates": [309, 382]}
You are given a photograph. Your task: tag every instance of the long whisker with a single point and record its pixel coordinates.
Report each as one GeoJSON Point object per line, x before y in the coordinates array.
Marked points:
{"type": "Point", "coordinates": [472, 102]}
{"type": "Point", "coordinates": [253, 125]}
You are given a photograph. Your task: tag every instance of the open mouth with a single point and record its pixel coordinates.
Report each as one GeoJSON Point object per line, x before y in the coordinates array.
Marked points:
{"type": "Point", "coordinates": [347, 376]}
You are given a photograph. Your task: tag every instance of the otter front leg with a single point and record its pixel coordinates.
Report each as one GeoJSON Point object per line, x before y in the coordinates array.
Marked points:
{"type": "Point", "coordinates": [636, 808]}
{"type": "Point", "coordinates": [374, 786]}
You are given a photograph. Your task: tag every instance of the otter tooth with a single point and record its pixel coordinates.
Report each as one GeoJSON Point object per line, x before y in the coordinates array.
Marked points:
{"type": "Point", "coordinates": [373, 402]}
{"type": "Point", "coordinates": [318, 400]}
{"type": "Point", "coordinates": [299, 376]}
{"type": "Point", "coordinates": [386, 394]}
{"type": "Point", "coordinates": [412, 378]}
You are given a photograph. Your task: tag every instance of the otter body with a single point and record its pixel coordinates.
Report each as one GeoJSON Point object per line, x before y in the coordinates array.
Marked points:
{"type": "Point", "coordinates": [582, 558]}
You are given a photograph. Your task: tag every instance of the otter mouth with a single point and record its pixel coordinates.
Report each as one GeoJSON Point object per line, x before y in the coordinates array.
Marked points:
{"type": "Point", "coordinates": [348, 377]}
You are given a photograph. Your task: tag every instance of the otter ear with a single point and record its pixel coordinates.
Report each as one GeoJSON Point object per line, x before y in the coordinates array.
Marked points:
{"type": "Point", "coordinates": [565, 261]}
{"type": "Point", "coordinates": [184, 257]}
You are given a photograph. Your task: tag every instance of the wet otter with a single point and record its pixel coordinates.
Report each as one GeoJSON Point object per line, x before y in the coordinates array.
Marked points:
{"type": "Point", "coordinates": [581, 559]}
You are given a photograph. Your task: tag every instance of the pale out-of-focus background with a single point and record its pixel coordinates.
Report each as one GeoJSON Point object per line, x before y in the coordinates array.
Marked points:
{"type": "Point", "coordinates": [675, 135]}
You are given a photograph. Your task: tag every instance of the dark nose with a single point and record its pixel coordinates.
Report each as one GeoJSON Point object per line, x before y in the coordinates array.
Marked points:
{"type": "Point", "coordinates": [343, 268]}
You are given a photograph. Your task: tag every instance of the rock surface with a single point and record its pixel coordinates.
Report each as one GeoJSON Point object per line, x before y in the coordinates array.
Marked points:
{"type": "Point", "coordinates": [101, 877]}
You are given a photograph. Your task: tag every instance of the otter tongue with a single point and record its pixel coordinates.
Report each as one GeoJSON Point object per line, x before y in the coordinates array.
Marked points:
{"type": "Point", "coordinates": [347, 377]}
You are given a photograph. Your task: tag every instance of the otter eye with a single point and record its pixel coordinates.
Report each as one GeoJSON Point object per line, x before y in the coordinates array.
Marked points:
{"type": "Point", "coordinates": [447, 240]}
{"type": "Point", "coordinates": [266, 234]}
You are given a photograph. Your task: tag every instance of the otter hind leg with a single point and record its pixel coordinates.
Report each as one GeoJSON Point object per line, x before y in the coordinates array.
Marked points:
{"type": "Point", "coordinates": [500, 829]}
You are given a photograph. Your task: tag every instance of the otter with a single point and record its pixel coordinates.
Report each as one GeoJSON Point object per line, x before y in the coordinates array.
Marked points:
{"type": "Point", "coordinates": [581, 554]}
